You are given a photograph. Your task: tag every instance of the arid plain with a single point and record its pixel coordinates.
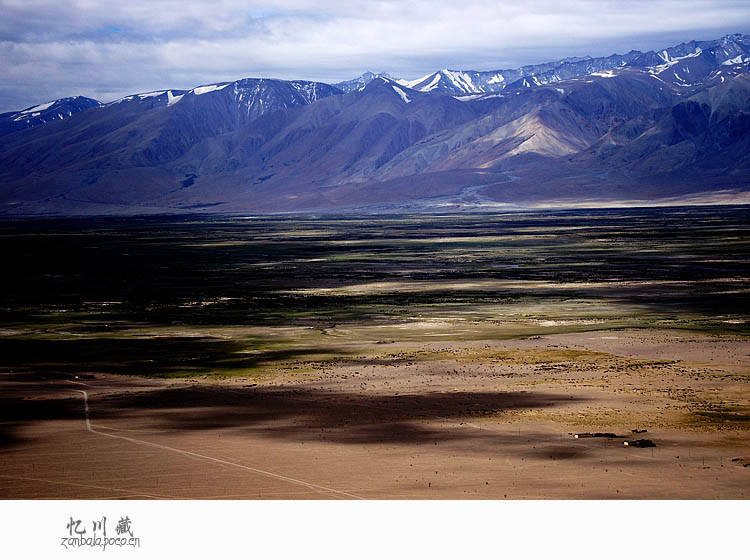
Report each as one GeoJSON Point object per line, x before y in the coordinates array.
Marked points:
{"type": "Point", "coordinates": [392, 357]}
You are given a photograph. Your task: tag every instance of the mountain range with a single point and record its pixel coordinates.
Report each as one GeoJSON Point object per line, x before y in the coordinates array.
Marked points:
{"type": "Point", "coordinates": [671, 126]}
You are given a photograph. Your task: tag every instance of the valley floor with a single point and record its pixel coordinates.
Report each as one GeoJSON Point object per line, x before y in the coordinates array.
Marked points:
{"type": "Point", "coordinates": [487, 419]}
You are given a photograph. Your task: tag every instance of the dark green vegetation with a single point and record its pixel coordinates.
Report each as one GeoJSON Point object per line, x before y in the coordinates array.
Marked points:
{"type": "Point", "coordinates": [188, 296]}
{"type": "Point", "coordinates": [734, 417]}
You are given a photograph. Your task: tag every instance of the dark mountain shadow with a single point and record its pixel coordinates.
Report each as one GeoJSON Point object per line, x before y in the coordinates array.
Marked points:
{"type": "Point", "coordinates": [289, 414]}
{"type": "Point", "coordinates": [149, 357]}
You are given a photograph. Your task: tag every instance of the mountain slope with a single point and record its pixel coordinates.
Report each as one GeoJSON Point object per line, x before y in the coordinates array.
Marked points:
{"type": "Point", "coordinates": [669, 124]}
{"type": "Point", "coordinates": [120, 152]}
{"type": "Point", "coordinates": [706, 133]}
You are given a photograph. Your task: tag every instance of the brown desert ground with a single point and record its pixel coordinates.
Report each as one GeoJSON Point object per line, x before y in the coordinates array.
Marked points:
{"type": "Point", "coordinates": [488, 419]}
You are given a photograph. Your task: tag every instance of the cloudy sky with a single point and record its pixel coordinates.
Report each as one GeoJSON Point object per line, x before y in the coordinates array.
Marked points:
{"type": "Point", "coordinates": [108, 49]}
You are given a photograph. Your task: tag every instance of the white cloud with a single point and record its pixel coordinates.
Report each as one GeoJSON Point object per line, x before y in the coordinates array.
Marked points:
{"type": "Point", "coordinates": [108, 49]}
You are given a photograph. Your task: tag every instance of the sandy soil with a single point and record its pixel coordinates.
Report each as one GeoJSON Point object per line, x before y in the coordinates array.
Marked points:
{"type": "Point", "coordinates": [490, 419]}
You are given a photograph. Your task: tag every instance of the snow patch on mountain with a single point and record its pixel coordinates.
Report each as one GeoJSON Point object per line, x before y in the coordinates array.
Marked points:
{"type": "Point", "coordinates": [38, 108]}
{"type": "Point", "coordinates": [413, 84]}
{"type": "Point", "coordinates": [208, 89]}
{"type": "Point", "coordinates": [736, 60]}
{"type": "Point", "coordinates": [471, 97]}
{"type": "Point", "coordinates": [401, 94]}
{"type": "Point", "coordinates": [172, 99]}
{"type": "Point", "coordinates": [671, 62]}
{"type": "Point", "coordinates": [460, 80]}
